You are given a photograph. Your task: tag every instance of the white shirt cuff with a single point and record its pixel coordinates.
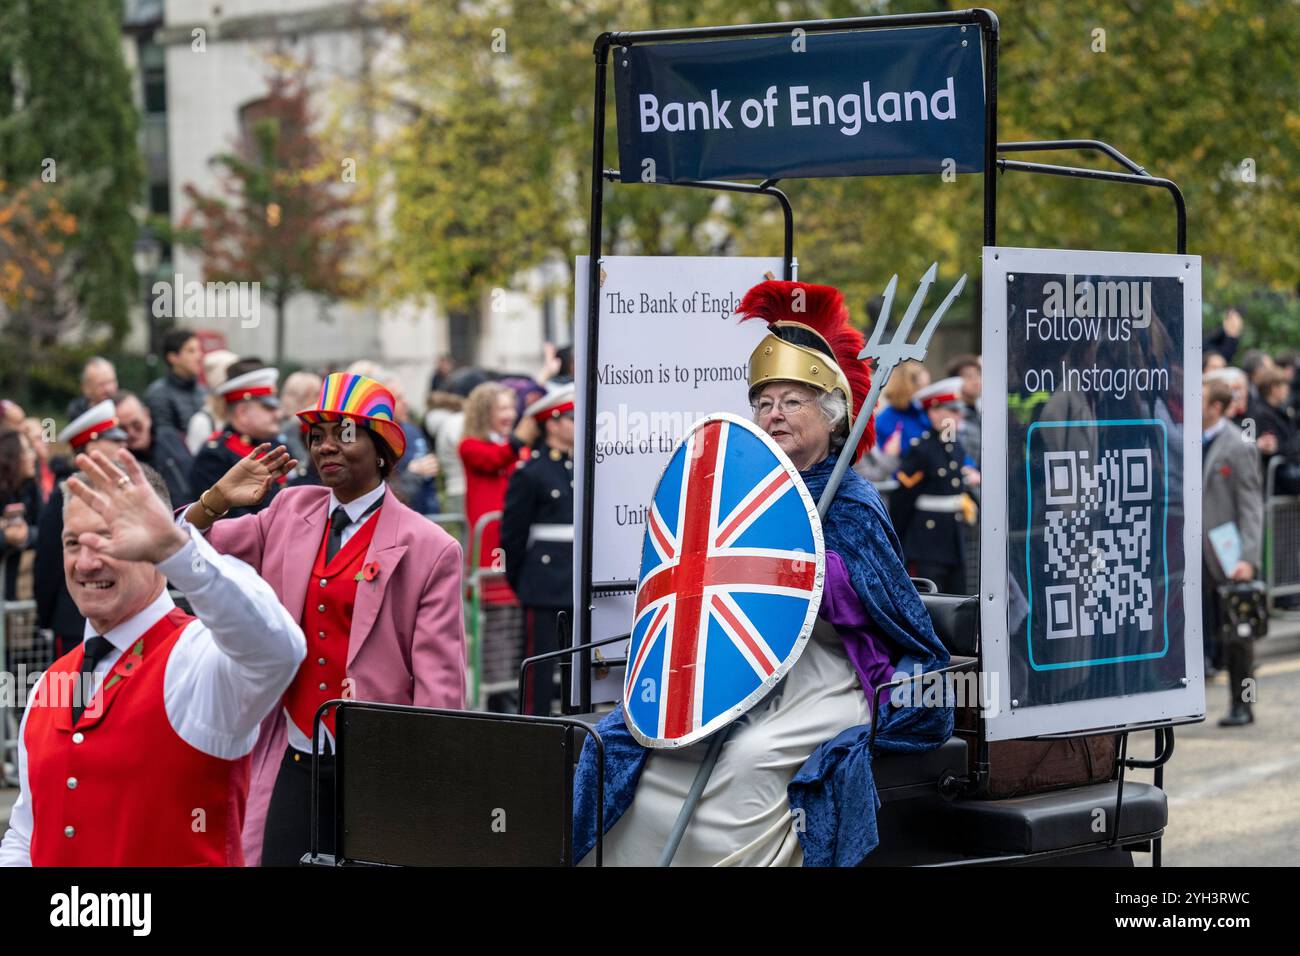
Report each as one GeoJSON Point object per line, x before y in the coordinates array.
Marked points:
{"type": "Point", "coordinates": [186, 568]}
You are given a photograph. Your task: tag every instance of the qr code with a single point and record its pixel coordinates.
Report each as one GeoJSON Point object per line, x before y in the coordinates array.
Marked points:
{"type": "Point", "coordinates": [1098, 535]}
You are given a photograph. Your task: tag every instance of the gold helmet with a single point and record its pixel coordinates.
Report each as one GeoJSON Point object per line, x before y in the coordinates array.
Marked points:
{"type": "Point", "coordinates": [811, 342]}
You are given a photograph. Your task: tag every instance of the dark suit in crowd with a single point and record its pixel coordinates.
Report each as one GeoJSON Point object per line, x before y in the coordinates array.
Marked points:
{"type": "Point", "coordinates": [1231, 492]}
{"type": "Point", "coordinates": [537, 539]}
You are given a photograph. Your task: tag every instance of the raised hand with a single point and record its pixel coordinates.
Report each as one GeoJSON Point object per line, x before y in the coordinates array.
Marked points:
{"type": "Point", "coordinates": [528, 431]}
{"type": "Point", "coordinates": [249, 481]}
{"type": "Point", "coordinates": [426, 466]}
{"type": "Point", "coordinates": [140, 526]}
{"type": "Point", "coordinates": [894, 445]}
{"type": "Point", "coordinates": [16, 533]}
{"type": "Point", "coordinates": [551, 363]}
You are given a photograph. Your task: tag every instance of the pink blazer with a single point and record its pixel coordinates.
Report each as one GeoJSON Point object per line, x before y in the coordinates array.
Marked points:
{"type": "Point", "coordinates": [407, 644]}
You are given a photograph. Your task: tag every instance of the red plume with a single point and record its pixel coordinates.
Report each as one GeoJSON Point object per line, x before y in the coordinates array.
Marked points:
{"type": "Point", "coordinates": [825, 313]}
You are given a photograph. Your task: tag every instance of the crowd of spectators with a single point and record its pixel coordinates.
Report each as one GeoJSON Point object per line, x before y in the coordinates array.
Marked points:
{"type": "Point", "coordinates": [445, 469]}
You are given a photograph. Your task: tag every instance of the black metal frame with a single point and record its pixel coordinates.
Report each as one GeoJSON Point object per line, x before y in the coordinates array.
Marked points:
{"type": "Point", "coordinates": [1013, 859]}
{"type": "Point", "coordinates": [338, 704]}
{"type": "Point", "coordinates": [1136, 175]}
{"type": "Point", "coordinates": [987, 22]}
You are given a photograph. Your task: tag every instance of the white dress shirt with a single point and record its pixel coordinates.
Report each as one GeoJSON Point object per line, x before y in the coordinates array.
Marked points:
{"type": "Point", "coordinates": [355, 509]}
{"type": "Point", "coordinates": [300, 737]}
{"type": "Point", "coordinates": [226, 671]}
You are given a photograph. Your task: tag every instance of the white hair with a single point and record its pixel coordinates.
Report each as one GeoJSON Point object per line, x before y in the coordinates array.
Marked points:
{"type": "Point", "coordinates": [833, 407]}
{"type": "Point", "coordinates": [836, 412]}
{"type": "Point", "coordinates": [1230, 374]}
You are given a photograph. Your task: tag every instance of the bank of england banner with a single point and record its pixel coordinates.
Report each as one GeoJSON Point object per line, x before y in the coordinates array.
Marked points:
{"type": "Point", "coordinates": [1090, 551]}
{"type": "Point", "coordinates": [867, 103]}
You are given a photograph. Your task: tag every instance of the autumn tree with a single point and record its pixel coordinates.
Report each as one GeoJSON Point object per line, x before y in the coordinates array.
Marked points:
{"type": "Point", "coordinates": [285, 215]}
{"type": "Point", "coordinates": [489, 161]}
{"type": "Point", "coordinates": [35, 230]}
{"type": "Point", "coordinates": [1204, 94]}
{"type": "Point", "coordinates": [72, 175]}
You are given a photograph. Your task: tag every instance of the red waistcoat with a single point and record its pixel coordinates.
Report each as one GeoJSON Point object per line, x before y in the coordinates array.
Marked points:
{"type": "Point", "coordinates": [327, 624]}
{"type": "Point", "coordinates": [122, 788]}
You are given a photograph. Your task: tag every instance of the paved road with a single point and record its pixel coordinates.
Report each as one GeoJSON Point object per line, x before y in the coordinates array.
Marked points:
{"type": "Point", "coordinates": [1232, 792]}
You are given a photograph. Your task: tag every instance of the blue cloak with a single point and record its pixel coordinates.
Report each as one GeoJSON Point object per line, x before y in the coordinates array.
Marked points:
{"type": "Point", "coordinates": [834, 788]}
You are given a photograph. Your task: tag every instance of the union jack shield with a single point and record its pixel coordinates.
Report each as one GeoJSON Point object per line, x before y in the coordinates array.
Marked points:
{"type": "Point", "coordinates": [731, 580]}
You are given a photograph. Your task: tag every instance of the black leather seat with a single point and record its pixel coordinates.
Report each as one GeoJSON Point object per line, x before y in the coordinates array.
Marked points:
{"type": "Point", "coordinates": [1046, 822]}
{"type": "Point", "coordinates": [956, 622]}
{"type": "Point", "coordinates": [956, 619]}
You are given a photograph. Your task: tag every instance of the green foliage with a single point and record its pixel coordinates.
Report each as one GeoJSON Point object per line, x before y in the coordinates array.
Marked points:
{"type": "Point", "coordinates": [491, 166]}
{"type": "Point", "coordinates": [65, 96]}
{"type": "Point", "coordinates": [1271, 317]}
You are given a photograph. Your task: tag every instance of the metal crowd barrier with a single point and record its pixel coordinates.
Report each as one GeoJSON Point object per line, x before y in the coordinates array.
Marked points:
{"type": "Point", "coordinates": [25, 652]}
{"type": "Point", "coordinates": [1281, 539]}
{"type": "Point", "coordinates": [453, 522]}
{"type": "Point", "coordinates": [495, 629]}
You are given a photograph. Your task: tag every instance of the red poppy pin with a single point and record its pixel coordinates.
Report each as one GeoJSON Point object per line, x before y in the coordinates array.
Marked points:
{"type": "Point", "coordinates": [1225, 470]}
{"type": "Point", "coordinates": [124, 668]}
{"type": "Point", "coordinates": [368, 572]}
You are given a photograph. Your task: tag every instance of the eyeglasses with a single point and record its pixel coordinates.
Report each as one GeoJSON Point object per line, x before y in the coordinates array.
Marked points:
{"type": "Point", "coordinates": [789, 406]}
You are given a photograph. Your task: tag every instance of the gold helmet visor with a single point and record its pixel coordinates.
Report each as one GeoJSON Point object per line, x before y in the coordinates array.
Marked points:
{"type": "Point", "coordinates": [776, 360]}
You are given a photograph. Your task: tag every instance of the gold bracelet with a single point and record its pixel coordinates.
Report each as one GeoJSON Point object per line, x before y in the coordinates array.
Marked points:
{"type": "Point", "coordinates": [208, 511]}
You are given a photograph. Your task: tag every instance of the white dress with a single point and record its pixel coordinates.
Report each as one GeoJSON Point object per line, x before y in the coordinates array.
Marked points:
{"type": "Point", "coordinates": [743, 817]}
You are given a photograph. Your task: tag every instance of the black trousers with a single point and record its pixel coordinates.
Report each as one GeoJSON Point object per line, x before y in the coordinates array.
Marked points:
{"type": "Point", "coordinates": [951, 578]}
{"type": "Point", "coordinates": [288, 819]}
{"type": "Point", "coordinates": [1235, 653]}
{"type": "Point", "coordinates": [1240, 658]}
{"type": "Point", "coordinates": [541, 635]}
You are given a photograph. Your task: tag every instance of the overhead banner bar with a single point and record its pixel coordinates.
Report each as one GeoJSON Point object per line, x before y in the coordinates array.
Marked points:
{"type": "Point", "coordinates": [868, 103]}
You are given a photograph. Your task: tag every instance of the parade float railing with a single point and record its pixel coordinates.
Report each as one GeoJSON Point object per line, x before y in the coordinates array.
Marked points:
{"type": "Point", "coordinates": [985, 21]}
{"type": "Point", "coordinates": [929, 815]}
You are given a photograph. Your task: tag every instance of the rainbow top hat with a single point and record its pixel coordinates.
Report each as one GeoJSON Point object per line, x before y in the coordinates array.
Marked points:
{"type": "Point", "coordinates": [365, 401]}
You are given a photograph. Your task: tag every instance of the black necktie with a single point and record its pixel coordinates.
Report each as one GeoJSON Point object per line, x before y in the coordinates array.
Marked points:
{"type": "Point", "coordinates": [96, 649]}
{"type": "Point", "coordinates": [338, 521]}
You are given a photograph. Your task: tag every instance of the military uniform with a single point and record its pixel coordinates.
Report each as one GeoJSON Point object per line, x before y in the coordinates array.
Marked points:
{"type": "Point", "coordinates": [930, 508]}
{"type": "Point", "coordinates": [221, 452]}
{"type": "Point", "coordinates": [537, 541]}
{"type": "Point", "coordinates": [224, 449]}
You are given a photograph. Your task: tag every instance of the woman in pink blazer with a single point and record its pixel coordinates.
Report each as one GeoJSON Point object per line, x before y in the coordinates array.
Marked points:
{"type": "Point", "coordinates": [375, 586]}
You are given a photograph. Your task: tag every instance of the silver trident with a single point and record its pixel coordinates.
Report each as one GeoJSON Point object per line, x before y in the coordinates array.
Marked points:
{"type": "Point", "coordinates": [888, 355]}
